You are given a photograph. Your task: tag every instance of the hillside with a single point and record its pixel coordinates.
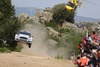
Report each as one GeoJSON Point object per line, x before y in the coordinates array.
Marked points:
{"type": "Point", "coordinates": [32, 10]}
{"type": "Point", "coordinates": [54, 43]}
{"type": "Point", "coordinates": [85, 19]}
{"type": "Point", "coordinates": [28, 10]}
{"type": "Point", "coordinates": [53, 40]}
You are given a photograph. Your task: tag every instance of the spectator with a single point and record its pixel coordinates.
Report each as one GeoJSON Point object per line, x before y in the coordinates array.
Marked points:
{"type": "Point", "coordinates": [78, 62]}
{"type": "Point", "coordinates": [84, 60]}
{"type": "Point", "coordinates": [98, 55]}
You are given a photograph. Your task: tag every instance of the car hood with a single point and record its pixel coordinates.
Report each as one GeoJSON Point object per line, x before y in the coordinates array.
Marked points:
{"type": "Point", "coordinates": [22, 35]}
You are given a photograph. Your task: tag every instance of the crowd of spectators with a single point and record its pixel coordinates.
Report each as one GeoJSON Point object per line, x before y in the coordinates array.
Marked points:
{"type": "Point", "coordinates": [89, 48]}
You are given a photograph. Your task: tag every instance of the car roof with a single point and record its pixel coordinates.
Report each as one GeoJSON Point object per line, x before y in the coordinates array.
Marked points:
{"type": "Point", "coordinates": [24, 31]}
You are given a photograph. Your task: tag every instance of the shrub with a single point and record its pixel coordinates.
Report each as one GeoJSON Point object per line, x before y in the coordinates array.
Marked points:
{"type": "Point", "coordinates": [18, 48]}
{"type": "Point", "coordinates": [59, 56]}
{"type": "Point", "coordinates": [4, 49]}
{"type": "Point", "coordinates": [60, 14]}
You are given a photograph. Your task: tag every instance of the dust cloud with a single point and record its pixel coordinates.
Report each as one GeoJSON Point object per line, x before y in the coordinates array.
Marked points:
{"type": "Point", "coordinates": [41, 45]}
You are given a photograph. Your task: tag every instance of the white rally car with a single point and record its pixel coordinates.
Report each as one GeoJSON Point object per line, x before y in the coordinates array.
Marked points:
{"type": "Point", "coordinates": [24, 36]}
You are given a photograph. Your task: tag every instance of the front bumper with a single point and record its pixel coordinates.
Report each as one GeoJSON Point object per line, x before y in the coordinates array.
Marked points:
{"type": "Point", "coordinates": [23, 40]}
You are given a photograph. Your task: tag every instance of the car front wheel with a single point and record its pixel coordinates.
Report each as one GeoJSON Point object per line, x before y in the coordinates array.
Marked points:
{"type": "Point", "coordinates": [29, 45]}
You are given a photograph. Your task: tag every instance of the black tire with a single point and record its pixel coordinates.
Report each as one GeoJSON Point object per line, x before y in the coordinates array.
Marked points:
{"type": "Point", "coordinates": [29, 45]}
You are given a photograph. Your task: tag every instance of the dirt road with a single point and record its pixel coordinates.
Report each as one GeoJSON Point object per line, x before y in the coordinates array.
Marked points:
{"type": "Point", "coordinates": [21, 60]}
{"type": "Point", "coordinates": [39, 55]}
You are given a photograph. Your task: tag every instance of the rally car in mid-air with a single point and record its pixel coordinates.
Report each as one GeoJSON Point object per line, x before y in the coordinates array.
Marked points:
{"type": "Point", "coordinates": [24, 36]}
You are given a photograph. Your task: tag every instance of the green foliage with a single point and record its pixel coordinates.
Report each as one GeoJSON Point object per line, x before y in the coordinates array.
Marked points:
{"type": "Point", "coordinates": [54, 38]}
{"type": "Point", "coordinates": [18, 48]}
{"type": "Point", "coordinates": [52, 25]}
{"type": "Point", "coordinates": [59, 56]}
{"type": "Point", "coordinates": [9, 24]}
{"type": "Point", "coordinates": [4, 49]}
{"type": "Point", "coordinates": [60, 14]}
{"type": "Point", "coordinates": [73, 39]}
{"type": "Point", "coordinates": [64, 30]}
{"type": "Point", "coordinates": [6, 9]}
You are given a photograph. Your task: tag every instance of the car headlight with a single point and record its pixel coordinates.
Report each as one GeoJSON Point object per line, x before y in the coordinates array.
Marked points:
{"type": "Point", "coordinates": [29, 39]}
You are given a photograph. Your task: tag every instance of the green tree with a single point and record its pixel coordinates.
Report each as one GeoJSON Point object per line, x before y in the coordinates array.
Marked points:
{"type": "Point", "coordinates": [60, 14]}
{"type": "Point", "coordinates": [9, 24]}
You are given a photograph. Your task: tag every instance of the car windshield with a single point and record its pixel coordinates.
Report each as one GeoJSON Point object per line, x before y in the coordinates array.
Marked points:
{"type": "Point", "coordinates": [70, 4]}
{"type": "Point", "coordinates": [25, 33]}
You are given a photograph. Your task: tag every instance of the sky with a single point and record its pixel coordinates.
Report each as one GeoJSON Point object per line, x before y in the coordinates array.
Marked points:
{"type": "Point", "coordinates": [90, 10]}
